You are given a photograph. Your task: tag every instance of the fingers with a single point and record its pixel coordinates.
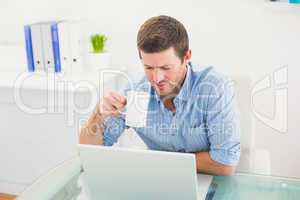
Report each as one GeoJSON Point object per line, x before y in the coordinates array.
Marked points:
{"type": "Point", "coordinates": [107, 109]}
{"type": "Point", "coordinates": [115, 102]}
{"type": "Point", "coordinates": [118, 97]}
{"type": "Point", "coordinates": [111, 105]}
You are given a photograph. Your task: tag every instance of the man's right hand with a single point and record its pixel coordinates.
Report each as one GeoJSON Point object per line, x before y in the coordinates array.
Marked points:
{"type": "Point", "coordinates": [109, 106]}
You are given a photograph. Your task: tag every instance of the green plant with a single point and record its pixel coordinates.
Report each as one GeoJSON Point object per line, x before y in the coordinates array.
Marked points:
{"type": "Point", "coordinates": [98, 42]}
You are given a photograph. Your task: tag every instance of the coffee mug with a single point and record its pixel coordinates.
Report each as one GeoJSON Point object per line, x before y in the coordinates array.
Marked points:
{"type": "Point", "coordinates": [136, 108]}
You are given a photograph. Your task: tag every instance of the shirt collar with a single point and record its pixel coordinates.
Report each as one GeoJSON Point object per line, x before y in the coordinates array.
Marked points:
{"type": "Point", "coordinates": [184, 92]}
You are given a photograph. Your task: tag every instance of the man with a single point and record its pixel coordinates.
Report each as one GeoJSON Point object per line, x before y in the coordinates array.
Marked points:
{"type": "Point", "coordinates": [189, 111]}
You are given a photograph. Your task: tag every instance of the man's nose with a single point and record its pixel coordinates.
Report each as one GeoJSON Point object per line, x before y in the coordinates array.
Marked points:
{"type": "Point", "coordinates": [158, 76]}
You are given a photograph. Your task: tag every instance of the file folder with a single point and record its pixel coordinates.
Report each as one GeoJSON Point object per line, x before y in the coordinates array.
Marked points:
{"type": "Point", "coordinates": [66, 46]}
{"type": "Point", "coordinates": [47, 28]}
{"type": "Point", "coordinates": [63, 30]}
{"type": "Point", "coordinates": [69, 45]}
{"type": "Point", "coordinates": [74, 31]}
{"type": "Point", "coordinates": [56, 48]}
{"type": "Point", "coordinates": [37, 47]}
{"type": "Point", "coordinates": [29, 50]}
{"type": "Point", "coordinates": [53, 46]}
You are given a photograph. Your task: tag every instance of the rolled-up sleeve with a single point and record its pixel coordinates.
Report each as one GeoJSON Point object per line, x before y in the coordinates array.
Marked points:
{"type": "Point", "coordinates": [113, 128]}
{"type": "Point", "coordinates": [223, 125]}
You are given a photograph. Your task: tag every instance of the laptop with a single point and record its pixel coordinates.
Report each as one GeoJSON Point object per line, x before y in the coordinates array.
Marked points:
{"type": "Point", "coordinates": [113, 173]}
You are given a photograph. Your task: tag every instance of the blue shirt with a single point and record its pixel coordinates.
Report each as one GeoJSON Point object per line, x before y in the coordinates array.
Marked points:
{"type": "Point", "coordinates": [205, 119]}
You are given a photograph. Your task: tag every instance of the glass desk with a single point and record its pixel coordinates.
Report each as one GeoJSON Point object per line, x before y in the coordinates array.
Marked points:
{"type": "Point", "coordinates": [64, 183]}
{"type": "Point", "coordinates": [237, 187]}
{"type": "Point", "coordinates": [250, 186]}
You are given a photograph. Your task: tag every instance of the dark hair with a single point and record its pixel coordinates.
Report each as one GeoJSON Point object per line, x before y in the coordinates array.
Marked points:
{"type": "Point", "coordinates": [162, 32]}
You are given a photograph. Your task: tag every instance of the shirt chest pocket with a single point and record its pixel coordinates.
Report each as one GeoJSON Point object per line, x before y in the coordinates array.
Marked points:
{"type": "Point", "coordinates": [170, 139]}
{"type": "Point", "coordinates": [193, 118]}
{"type": "Point", "coordinates": [196, 139]}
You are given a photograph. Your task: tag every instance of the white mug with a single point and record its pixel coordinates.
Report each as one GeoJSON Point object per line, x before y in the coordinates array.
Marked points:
{"type": "Point", "coordinates": [136, 108]}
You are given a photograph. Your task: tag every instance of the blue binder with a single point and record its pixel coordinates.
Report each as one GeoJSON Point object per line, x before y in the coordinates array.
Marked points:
{"type": "Point", "coordinates": [55, 45]}
{"type": "Point", "coordinates": [29, 51]}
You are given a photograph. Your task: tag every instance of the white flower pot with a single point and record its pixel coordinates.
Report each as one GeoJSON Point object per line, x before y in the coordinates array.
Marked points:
{"type": "Point", "coordinates": [98, 61]}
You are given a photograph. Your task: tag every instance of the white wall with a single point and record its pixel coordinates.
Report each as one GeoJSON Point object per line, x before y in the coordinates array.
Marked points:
{"type": "Point", "coordinates": [244, 37]}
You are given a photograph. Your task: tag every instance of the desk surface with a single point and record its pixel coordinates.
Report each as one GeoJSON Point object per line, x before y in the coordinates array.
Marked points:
{"type": "Point", "coordinates": [242, 187]}
{"type": "Point", "coordinates": [65, 183]}
{"type": "Point", "coordinates": [249, 187]}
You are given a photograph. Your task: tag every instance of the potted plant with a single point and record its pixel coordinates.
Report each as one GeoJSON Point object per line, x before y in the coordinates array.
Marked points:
{"type": "Point", "coordinates": [98, 42]}
{"type": "Point", "coordinates": [99, 57]}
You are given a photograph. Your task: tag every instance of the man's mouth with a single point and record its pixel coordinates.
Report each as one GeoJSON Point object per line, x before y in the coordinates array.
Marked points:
{"type": "Point", "coordinates": [161, 85]}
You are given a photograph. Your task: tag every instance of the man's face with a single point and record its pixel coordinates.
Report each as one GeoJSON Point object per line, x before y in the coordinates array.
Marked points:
{"type": "Point", "coordinates": [165, 71]}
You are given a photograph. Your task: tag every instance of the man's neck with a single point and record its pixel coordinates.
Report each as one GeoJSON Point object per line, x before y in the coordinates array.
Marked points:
{"type": "Point", "coordinates": [170, 105]}
{"type": "Point", "coordinates": [168, 100]}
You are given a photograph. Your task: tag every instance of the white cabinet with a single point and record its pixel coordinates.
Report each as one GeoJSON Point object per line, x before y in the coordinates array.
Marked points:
{"type": "Point", "coordinates": [40, 117]}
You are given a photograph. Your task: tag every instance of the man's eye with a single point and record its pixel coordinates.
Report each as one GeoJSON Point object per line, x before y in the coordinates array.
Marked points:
{"type": "Point", "coordinates": [165, 68]}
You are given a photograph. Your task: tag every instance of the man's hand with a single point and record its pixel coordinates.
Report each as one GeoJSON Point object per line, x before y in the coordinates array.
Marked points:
{"type": "Point", "coordinates": [109, 106]}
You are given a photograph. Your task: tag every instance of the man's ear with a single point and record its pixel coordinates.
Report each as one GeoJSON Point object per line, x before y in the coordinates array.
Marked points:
{"type": "Point", "coordinates": [188, 55]}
